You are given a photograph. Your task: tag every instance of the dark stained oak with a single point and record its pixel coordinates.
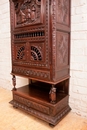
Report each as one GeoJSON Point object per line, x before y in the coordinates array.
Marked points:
{"type": "Point", "coordinates": [40, 48]}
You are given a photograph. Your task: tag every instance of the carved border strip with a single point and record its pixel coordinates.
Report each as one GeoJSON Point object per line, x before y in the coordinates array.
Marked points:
{"type": "Point", "coordinates": [41, 28]}
{"type": "Point", "coordinates": [30, 39]}
{"type": "Point", "coordinates": [12, 27]}
{"type": "Point", "coordinates": [31, 72]}
{"type": "Point", "coordinates": [54, 36]}
{"type": "Point", "coordinates": [46, 36]}
{"type": "Point", "coordinates": [29, 63]}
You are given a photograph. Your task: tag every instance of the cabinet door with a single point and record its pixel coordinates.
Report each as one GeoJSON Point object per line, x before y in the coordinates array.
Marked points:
{"type": "Point", "coordinates": [32, 27]}
{"type": "Point", "coordinates": [30, 37]}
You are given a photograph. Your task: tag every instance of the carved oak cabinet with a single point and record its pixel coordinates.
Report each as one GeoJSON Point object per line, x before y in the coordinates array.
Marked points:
{"type": "Point", "coordinates": [40, 46]}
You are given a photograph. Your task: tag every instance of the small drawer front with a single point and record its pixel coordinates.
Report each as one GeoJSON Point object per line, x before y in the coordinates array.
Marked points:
{"type": "Point", "coordinates": [32, 104]}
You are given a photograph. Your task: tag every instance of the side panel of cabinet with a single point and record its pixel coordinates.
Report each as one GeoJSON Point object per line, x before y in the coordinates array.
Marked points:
{"type": "Point", "coordinates": [60, 38]}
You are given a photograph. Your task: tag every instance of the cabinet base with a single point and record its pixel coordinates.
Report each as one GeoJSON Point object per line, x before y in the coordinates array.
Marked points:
{"type": "Point", "coordinates": [35, 101]}
{"type": "Point", "coordinates": [51, 120]}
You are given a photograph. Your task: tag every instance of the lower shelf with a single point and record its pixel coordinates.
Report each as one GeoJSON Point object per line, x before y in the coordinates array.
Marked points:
{"type": "Point", "coordinates": [35, 101]}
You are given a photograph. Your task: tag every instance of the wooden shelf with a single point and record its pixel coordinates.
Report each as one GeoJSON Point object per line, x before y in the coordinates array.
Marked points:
{"type": "Point", "coordinates": [37, 92]}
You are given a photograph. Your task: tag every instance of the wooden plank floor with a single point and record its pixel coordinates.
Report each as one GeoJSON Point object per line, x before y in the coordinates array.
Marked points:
{"type": "Point", "coordinates": [15, 119]}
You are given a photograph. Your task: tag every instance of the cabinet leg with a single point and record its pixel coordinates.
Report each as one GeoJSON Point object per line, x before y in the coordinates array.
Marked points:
{"type": "Point", "coordinates": [15, 107]}
{"type": "Point", "coordinates": [52, 94]}
{"type": "Point", "coordinates": [51, 125]}
{"type": "Point", "coordinates": [14, 82]}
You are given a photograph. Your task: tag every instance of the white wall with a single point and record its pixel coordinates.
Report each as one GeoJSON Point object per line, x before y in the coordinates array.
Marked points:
{"type": "Point", "coordinates": [78, 83]}
{"type": "Point", "coordinates": [5, 48]}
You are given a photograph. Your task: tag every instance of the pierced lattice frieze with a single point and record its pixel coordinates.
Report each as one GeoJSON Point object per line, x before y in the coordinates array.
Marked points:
{"type": "Point", "coordinates": [62, 48]}
{"type": "Point", "coordinates": [63, 11]}
{"type": "Point", "coordinates": [29, 34]}
{"type": "Point", "coordinates": [27, 12]}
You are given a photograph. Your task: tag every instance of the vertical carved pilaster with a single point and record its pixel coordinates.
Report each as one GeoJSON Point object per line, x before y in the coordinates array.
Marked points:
{"type": "Point", "coordinates": [52, 94]}
{"type": "Point", "coordinates": [14, 82]}
{"type": "Point", "coordinates": [53, 36]}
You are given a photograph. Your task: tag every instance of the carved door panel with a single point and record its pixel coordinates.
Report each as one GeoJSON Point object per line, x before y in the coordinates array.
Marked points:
{"type": "Point", "coordinates": [28, 59]}
{"type": "Point", "coordinates": [28, 12]}
{"type": "Point", "coordinates": [30, 54]}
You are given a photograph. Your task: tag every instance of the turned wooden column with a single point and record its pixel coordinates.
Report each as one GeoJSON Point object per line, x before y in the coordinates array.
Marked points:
{"type": "Point", "coordinates": [14, 82]}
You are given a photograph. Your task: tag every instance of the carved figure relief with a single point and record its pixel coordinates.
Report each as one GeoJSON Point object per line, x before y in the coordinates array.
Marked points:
{"type": "Point", "coordinates": [62, 49]}
{"type": "Point", "coordinates": [63, 11]}
{"type": "Point", "coordinates": [27, 11]}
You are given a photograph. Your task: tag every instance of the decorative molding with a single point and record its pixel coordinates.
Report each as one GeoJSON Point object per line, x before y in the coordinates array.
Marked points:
{"type": "Point", "coordinates": [54, 36]}
{"type": "Point", "coordinates": [30, 29]}
{"type": "Point", "coordinates": [33, 73]}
